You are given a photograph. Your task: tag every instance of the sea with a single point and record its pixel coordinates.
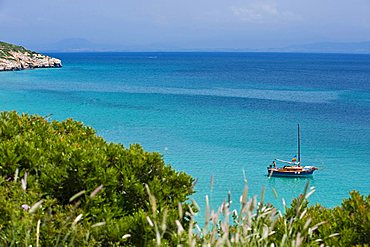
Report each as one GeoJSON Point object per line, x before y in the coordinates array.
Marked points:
{"type": "Point", "coordinates": [220, 117]}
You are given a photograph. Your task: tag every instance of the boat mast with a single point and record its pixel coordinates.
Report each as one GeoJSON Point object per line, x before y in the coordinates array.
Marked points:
{"type": "Point", "coordinates": [299, 145]}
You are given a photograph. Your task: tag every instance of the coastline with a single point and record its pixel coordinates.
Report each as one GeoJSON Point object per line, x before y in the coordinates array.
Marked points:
{"type": "Point", "coordinates": [21, 61]}
{"type": "Point", "coordinates": [13, 58]}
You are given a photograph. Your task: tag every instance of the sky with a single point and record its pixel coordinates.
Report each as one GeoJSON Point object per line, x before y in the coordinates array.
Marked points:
{"type": "Point", "coordinates": [186, 24]}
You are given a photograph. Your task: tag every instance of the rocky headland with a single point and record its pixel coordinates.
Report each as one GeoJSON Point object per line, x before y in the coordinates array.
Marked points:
{"type": "Point", "coordinates": [13, 57]}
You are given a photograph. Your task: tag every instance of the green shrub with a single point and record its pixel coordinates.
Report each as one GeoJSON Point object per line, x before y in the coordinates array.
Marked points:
{"type": "Point", "coordinates": [345, 225]}
{"type": "Point", "coordinates": [65, 158]}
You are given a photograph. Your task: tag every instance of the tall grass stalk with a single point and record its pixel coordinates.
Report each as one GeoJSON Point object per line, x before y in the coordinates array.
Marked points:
{"type": "Point", "coordinates": [38, 233]}
{"type": "Point", "coordinates": [253, 225]}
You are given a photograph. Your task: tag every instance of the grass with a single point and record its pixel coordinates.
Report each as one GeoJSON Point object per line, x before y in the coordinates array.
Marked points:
{"type": "Point", "coordinates": [253, 224]}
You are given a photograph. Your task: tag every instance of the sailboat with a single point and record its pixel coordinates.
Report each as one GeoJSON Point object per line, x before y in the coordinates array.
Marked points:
{"type": "Point", "coordinates": [292, 168]}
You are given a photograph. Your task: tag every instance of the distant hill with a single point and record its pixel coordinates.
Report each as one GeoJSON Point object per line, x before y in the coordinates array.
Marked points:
{"type": "Point", "coordinates": [75, 45]}
{"type": "Point", "coordinates": [14, 57]}
{"type": "Point", "coordinates": [84, 45]}
{"type": "Point", "coordinates": [328, 47]}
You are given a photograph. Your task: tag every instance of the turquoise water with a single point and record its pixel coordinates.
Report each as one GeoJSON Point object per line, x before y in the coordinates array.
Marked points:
{"type": "Point", "coordinates": [218, 114]}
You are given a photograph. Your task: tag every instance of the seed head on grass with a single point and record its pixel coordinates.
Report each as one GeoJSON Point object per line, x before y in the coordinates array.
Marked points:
{"type": "Point", "coordinates": [35, 207]}
{"type": "Point", "coordinates": [96, 191]}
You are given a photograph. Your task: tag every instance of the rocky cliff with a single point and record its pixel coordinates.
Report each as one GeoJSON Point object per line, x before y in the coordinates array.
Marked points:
{"type": "Point", "coordinates": [13, 57]}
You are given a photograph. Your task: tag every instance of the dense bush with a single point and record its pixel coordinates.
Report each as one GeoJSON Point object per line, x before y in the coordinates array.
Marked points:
{"type": "Point", "coordinates": [350, 222]}
{"type": "Point", "coordinates": [62, 159]}
{"type": "Point", "coordinates": [62, 185]}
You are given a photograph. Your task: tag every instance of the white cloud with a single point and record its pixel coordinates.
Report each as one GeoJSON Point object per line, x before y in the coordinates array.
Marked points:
{"type": "Point", "coordinates": [262, 13]}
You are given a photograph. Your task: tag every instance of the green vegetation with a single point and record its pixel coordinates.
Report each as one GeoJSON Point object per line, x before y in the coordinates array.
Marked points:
{"type": "Point", "coordinates": [5, 48]}
{"type": "Point", "coordinates": [58, 160]}
{"type": "Point", "coordinates": [345, 225]}
{"type": "Point", "coordinates": [62, 185]}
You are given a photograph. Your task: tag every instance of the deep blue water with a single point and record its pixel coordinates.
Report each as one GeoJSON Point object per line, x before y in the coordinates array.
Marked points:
{"type": "Point", "coordinates": [218, 114]}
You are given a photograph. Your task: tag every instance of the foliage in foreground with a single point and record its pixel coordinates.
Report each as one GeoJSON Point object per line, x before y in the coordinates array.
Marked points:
{"type": "Point", "coordinates": [61, 185]}
{"type": "Point", "coordinates": [74, 172]}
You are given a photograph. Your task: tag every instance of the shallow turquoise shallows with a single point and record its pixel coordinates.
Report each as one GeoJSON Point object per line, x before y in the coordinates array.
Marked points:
{"type": "Point", "coordinates": [218, 115]}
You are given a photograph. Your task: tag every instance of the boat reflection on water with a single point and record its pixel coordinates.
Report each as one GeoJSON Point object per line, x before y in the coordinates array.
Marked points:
{"type": "Point", "coordinates": [290, 182]}
{"type": "Point", "coordinates": [283, 190]}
